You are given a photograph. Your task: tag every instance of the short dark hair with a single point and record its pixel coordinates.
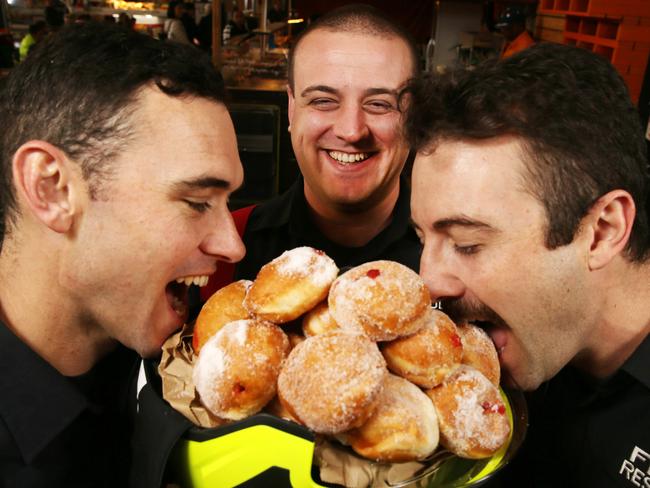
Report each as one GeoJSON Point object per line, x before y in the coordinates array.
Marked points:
{"type": "Point", "coordinates": [572, 113]}
{"type": "Point", "coordinates": [77, 91]}
{"type": "Point", "coordinates": [357, 18]}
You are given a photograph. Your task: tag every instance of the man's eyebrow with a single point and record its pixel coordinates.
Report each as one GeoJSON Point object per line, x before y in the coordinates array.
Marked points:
{"type": "Point", "coordinates": [202, 182]}
{"type": "Point", "coordinates": [321, 88]}
{"type": "Point", "coordinates": [462, 221]}
{"type": "Point", "coordinates": [368, 92]}
{"type": "Point", "coordinates": [381, 91]}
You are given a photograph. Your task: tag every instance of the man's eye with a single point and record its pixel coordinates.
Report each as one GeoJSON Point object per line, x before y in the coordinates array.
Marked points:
{"type": "Point", "coordinates": [379, 107]}
{"type": "Point", "coordinates": [467, 250]}
{"type": "Point", "coordinates": [323, 103]}
{"type": "Point", "coordinates": [200, 207]}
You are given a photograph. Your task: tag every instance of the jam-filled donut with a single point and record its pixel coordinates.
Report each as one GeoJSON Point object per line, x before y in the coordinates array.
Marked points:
{"type": "Point", "coordinates": [382, 299]}
{"type": "Point", "coordinates": [237, 369]}
{"type": "Point", "coordinates": [331, 382]}
{"type": "Point", "coordinates": [471, 414]}
{"type": "Point", "coordinates": [403, 427]}
{"type": "Point", "coordinates": [225, 305]}
{"type": "Point", "coordinates": [479, 352]}
{"type": "Point", "coordinates": [291, 284]}
{"type": "Point", "coordinates": [427, 356]}
{"type": "Point", "coordinates": [318, 320]}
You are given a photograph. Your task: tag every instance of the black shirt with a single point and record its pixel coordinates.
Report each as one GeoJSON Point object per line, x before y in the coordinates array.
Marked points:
{"type": "Point", "coordinates": [59, 431]}
{"type": "Point", "coordinates": [284, 223]}
{"type": "Point", "coordinates": [589, 433]}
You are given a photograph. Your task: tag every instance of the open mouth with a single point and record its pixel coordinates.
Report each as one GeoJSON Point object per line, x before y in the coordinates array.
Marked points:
{"type": "Point", "coordinates": [347, 158]}
{"type": "Point", "coordinates": [496, 332]}
{"type": "Point", "coordinates": [177, 292]}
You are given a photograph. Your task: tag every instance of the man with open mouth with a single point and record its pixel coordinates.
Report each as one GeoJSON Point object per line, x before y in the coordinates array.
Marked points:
{"type": "Point", "coordinates": [345, 74]}
{"type": "Point", "coordinates": [117, 157]}
{"type": "Point", "coordinates": [530, 195]}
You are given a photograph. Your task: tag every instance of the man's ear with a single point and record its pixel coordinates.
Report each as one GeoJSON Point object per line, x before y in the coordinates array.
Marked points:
{"type": "Point", "coordinates": [292, 102]}
{"type": "Point", "coordinates": [44, 179]}
{"type": "Point", "coordinates": [609, 224]}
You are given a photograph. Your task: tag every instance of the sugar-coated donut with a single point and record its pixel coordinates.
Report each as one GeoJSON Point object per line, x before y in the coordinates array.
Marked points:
{"type": "Point", "coordinates": [471, 414]}
{"type": "Point", "coordinates": [291, 284]}
{"type": "Point", "coordinates": [382, 299]}
{"type": "Point", "coordinates": [403, 427]}
{"type": "Point", "coordinates": [331, 382]}
{"type": "Point", "coordinates": [225, 305]}
{"type": "Point", "coordinates": [479, 352]}
{"type": "Point", "coordinates": [318, 320]}
{"type": "Point", "coordinates": [275, 407]}
{"type": "Point", "coordinates": [427, 356]}
{"type": "Point", "coordinates": [237, 369]}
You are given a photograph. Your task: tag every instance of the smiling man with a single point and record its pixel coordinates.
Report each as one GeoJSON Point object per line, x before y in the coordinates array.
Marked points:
{"type": "Point", "coordinates": [530, 195]}
{"type": "Point", "coordinates": [345, 74]}
{"type": "Point", "coordinates": [108, 213]}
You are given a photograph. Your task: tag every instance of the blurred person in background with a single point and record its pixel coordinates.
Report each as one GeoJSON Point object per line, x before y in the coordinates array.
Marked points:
{"type": "Point", "coordinates": [512, 25]}
{"type": "Point", "coordinates": [37, 32]}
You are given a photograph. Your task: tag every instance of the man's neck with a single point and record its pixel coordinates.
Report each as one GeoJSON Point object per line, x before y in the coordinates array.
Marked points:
{"type": "Point", "coordinates": [353, 228]}
{"type": "Point", "coordinates": [36, 309]}
{"type": "Point", "coordinates": [625, 321]}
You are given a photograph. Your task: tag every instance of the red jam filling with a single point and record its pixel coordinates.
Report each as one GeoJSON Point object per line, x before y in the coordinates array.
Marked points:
{"type": "Point", "coordinates": [373, 273]}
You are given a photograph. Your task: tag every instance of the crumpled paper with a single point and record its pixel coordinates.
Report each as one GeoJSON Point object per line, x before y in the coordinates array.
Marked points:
{"type": "Point", "coordinates": [175, 369]}
{"type": "Point", "coordinates": [344, 468]}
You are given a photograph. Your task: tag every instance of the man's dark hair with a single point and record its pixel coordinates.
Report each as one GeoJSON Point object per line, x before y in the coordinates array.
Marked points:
{"type": "Point", "coordinates": [580, 132]}
{"type": "Point", "coordinates": [78, 89]}
{"type": "Point", "coordinates": [356, 18]}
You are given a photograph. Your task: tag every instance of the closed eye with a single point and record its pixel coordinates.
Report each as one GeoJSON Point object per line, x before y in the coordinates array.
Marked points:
{"type": "Point", "coordinates": [200, 207]}
{"type": "Point", "coordinates": [323, 103]}
{"type": "Point", "coordinates": [467, 250]}
{"type": "Point", "coordinates": [378, 107]}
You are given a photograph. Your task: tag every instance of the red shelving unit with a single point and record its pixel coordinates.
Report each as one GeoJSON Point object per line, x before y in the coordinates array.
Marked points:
{"type": "Point", "coordinates": [617, 30]}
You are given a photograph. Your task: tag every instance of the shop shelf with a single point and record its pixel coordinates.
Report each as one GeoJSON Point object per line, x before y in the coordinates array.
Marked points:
{"type": "Point", "coordinates": [572, 24]}
{"type": "Point", "coordinates": [588, 26]}
{"type": "Point", "coordinates": [607, 29]}
{"type": "Point", "coordinates": [579, 5]}
{"type": "Point", "coordinates": [605, 51]}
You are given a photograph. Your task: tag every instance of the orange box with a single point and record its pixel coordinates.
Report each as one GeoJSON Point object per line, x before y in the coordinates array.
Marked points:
{"type": "Point", "coordinates": [631, 56]}
{"type": "Point", "coordinates": [627, 32]}
{"type": "Point", "coordinates": [634, 8]}
{"type": "Point", "coordinates": [641, 45]}
{"type": "Point", "coordinates": [634, 83]}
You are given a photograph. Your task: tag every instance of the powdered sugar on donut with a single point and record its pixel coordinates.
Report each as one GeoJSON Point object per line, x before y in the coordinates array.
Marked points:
{"type": "Point", "coordinates": [331, 381]}
{"type": "Point", "coordinates": [307, 261]}
{"type": "Point", "coordinates": [382, 299]}
{"type": "Point", "coordinates": [472, 421]}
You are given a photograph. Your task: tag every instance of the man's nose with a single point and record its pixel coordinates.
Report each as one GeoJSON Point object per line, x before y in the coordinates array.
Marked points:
{"type": "Point", "coordinates": [440, 278]}
{"type": "Point", "coordinates": [350, 124]}
{"type": "Point", "coordinates": [223, 241]}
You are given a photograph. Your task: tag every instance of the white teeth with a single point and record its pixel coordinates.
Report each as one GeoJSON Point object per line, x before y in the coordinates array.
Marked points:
{"type": "Point", "coordinates": [346, 158]}
{"type": "Point", "coordinates": [198, 280]}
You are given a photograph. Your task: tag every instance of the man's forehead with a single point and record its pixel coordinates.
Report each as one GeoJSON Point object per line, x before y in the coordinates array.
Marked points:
{"type": "Point", "coordinates": [323, 45]}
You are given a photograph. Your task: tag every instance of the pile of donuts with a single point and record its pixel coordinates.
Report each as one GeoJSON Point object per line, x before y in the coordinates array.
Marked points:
{"type": "Point", "coordinates": [371, 363]}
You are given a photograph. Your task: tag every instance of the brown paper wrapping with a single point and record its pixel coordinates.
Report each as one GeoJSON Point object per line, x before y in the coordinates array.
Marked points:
{"type": "Point", "coordinates": [175, 369]}
{"type": "Point", "coordinates": [336, 465]}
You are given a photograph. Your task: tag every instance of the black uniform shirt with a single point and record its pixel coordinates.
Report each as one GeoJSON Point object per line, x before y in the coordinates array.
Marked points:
{"type": "Point", "coordinates": [589, 433]}
{"type": "Point", "coordinates": [284, 223]}
{"type": "Point", "coordinates": [58, 431]}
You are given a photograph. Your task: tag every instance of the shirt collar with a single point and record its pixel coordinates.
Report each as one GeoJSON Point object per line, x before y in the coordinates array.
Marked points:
{"type": "Point", "coordinates": [37, 402]}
